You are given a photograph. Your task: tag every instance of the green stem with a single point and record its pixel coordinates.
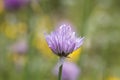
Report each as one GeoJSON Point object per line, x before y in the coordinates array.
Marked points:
{"type": "Point", "coordinates": [60, 73]}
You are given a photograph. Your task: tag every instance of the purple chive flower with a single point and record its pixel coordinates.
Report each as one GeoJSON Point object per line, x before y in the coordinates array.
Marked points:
{"type": "Point", "coordinates": [70, 71]}
{"type": "Point", "coordinates": [63, 41]}
{"type": "Point", "coordinates": [19, 47]}
{"type": "Point", "coordinates": [15, 4]}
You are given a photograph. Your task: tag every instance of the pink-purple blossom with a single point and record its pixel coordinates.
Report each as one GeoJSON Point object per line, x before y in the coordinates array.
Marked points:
{"type": "Point", "coordinates": [15, 4]}
{"type": "Point", "coordinates": [63, 40]}
{"type": "Point", "coordinates": [19, 47]}
{"type": "Point", "coordinates": [70, 71]}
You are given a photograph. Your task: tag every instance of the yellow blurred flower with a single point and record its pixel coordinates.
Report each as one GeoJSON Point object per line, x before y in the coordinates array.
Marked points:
{"type": "Point", "coordinates": [21, 28]}
{"type": "Point", "coordinates": [12, 31]}
{"type": "Point", "coordinates": [18, 59]}
{"type": "Point", "coordinates": [75, 55]}
{"type": "Point", "coordinates": [42, 46]}
{"type": "Point", "coordinates": [113, 78]}
{"type": "Point", "coordinates": [39, 40]}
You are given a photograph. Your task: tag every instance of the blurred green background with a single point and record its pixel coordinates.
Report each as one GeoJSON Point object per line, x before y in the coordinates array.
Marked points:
{"type": "Point", "coordinates": [97, 20]}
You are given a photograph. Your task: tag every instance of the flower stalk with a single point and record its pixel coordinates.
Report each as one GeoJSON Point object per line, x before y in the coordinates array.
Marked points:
{"type": "Point", "coordinates": [60, 72]}
{"type": "Point", "coordinates": [60, 65]}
